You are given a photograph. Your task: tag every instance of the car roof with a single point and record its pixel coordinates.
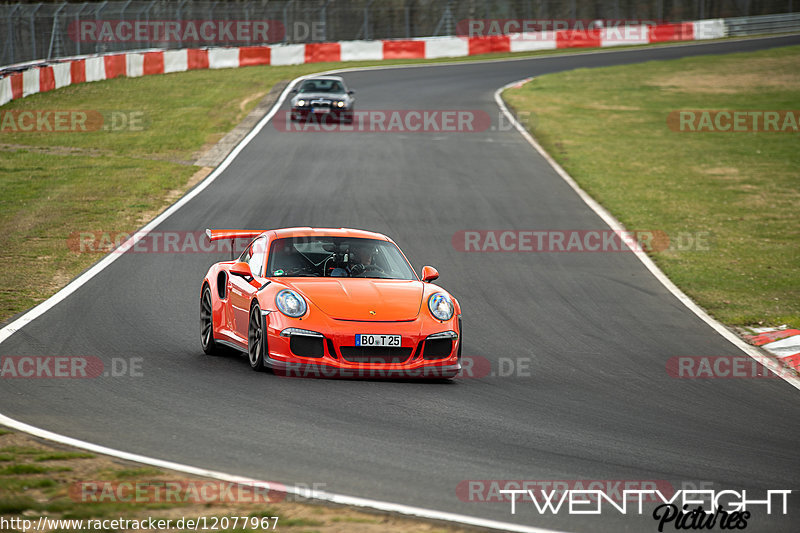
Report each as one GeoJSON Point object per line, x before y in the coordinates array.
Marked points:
{"type": "Point", "coordinates": [337, 78]}
{"type": "Point", "coordinates": [329, 232]}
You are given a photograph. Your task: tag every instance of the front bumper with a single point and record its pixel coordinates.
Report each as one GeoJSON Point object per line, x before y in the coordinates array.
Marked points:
{"type": "Point", "coordinates": [427, 350]}
{"type": "Point", "coordinates": [335, 114]}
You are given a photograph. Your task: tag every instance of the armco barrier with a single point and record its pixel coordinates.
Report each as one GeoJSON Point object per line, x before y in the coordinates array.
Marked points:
{"type": "Point", "coordinates": [35, 78]}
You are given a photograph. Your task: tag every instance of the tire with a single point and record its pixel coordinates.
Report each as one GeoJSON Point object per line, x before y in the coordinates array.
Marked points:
{"type": "Point", "coordinates": [256, 340]}
{"type": "Point", "coordinates": [207, 324]}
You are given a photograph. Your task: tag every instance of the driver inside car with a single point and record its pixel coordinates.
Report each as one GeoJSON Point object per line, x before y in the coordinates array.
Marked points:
{"type": "Point", "coordinates": [359, 260]}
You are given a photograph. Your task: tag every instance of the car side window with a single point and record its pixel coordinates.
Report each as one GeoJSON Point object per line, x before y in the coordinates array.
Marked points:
{"type": "Point", "coordinates": [255, 256]}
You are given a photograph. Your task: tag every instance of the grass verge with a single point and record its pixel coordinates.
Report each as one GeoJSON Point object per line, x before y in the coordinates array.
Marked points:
{"type": "Point", "coordinates": [75, 485]}
{"type": "Point", "coordinates": [736, 191]}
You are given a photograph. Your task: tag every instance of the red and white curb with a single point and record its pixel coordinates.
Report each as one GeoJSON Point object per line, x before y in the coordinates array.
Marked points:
{"type": "Point", "coordinates": [39, 78]}
{"type": "Point", "coordinates": [781, 342]}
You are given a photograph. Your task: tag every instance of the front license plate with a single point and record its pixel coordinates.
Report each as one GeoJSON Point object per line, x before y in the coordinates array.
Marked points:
{"type": "Point", "coordinates": [321, 110]}
{"type": "Point", "coordinates": [378, 340]}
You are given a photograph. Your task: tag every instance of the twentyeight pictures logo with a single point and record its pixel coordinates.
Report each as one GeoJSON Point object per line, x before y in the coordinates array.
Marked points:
{"type": "Point", "coordinates": [683, 509]}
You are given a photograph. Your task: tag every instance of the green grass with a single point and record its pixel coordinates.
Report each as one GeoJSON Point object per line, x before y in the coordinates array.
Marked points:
{"type": "Point", "coordinates": [132, 473]}
{"type": "Point", "coordinates": [263, 513]}
{"type": "Point", "coordinates": [23, 468]}
{"type": "Point", "coordinates": [21, 484]}
{"type": "Point", "coordinates": [15, 505]}
{"type": "Point", "coordinates": [607, 127]}
{"type": "Point", "coordinates": [300, 522]}
{"type": "Point", "coordinates": [63, 456]}
{"type": "Point", "coordinates": [21, 450]}
{"type": "Point", "coordinates": [355, 520]}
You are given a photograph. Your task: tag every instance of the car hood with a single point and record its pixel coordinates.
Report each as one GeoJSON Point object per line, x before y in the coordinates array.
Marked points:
{"type": "Point", "coordinates": [363, 299]}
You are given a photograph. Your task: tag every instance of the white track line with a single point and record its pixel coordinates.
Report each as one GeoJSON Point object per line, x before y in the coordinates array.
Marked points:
{"type": "Point", "coordinates": [643, 257]}
{"type": "Point", "coordinates": [75, 284]}
{"type": "Point", "coordinates": [279, 487]}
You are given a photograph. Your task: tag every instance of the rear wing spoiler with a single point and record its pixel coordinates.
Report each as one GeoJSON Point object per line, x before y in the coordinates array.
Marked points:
{"type": "Point", "coordinates": [232, 234]}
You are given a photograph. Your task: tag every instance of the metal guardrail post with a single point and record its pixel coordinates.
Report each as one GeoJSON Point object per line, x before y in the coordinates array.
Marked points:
{"type": "Point", "coordinates": [11, 34]}
{"type": "Point", "coordinates": [366, 19]}
{"type": "Point", "coordinates": [147, 22]}
{"type": "Point", "coordinates": [55, 28]}
{"type": "Point", "coordinates": [97, 19]}
{"type": "Point", "coordinates": [78, 25]}
{"type": "Point", "coordinates": [33, 31]}
{"type": "Point", "coordinates": [323, 21]}
{"type": "Point", "coordinates": [178, 18]}
{"type": "Point", "coordinates": [122, 16]}
{"type": "Point", "coordinates": [286, 20]}
{"type": "Point", "coordinates": [407, 10]}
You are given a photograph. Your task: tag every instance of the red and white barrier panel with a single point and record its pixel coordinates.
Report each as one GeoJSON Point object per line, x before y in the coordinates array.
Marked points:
{"type": "Point", "coordinates": [37, 79]}
{"type": "Point", "coordinates": [784, 343]}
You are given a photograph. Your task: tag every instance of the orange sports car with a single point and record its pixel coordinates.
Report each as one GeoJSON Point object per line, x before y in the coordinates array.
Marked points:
{"type": "Point", "coordinates": [329, 303]}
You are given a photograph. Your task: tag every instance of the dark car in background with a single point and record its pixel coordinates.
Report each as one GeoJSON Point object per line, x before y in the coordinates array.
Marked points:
{"type": "Point", "coordinates": [323, 98]}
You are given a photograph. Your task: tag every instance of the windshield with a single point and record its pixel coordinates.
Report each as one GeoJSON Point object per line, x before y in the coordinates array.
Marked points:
{"type": "Point", "coordinates": [341, 257]}
{"type": "Point", "coordinates": [321, 86]}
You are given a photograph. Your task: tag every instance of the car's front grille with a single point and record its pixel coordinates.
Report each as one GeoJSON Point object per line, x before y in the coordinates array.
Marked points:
{"type": "Point", "coordinates": [437, 348]}
{"type": "Point", "coordinates": [375, 354]}
{"type": "Point", "coordinates": [306, 346]}
{"type": "Point", "coordinates": [320, 103]}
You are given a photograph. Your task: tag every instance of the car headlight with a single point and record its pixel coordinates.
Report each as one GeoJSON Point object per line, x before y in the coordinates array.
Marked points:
{"type": "Point", "coordinates": [300, 103]}
{"type": "Point", "coordinates": [441, 306]}
{"type": "Point", "coordinates": [339, 104]}
{"type": "Point", "coordinates": [290, 303]}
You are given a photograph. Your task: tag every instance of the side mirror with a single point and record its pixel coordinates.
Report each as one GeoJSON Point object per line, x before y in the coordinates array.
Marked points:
{"type": "Point", "coordinates": [294, 91]}
{"type": "Point", "coordinates": [429, 273]}
{"type": "Point", "coordinates": [351, 92]}
{"type": "Point", "coordinates": [240, 268]}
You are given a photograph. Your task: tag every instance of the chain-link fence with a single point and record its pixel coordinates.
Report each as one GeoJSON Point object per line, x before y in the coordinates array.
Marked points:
{"type": "Point", "coordinates": [34, 31]}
